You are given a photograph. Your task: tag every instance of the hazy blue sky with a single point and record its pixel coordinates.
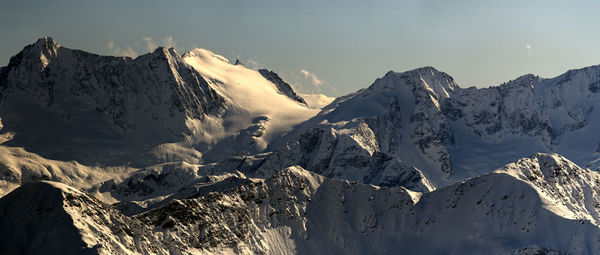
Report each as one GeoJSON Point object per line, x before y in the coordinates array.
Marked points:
{"type": "Point", "coordinates": [334, 47]}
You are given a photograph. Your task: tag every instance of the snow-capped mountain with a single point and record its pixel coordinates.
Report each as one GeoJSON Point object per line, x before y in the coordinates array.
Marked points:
{"type": "Point", "coordinates": [190, 154]}
{"type": "Point", "coordinates": [263, 108]}
{"type": "Point", "coordinates": [402, 111]}
{"type": "Point", "coordinates": [449, 133]}
{"type": "Point", "coordinates": [541, 203]}
{"type": "Point", "coordinates": [531, 114]}
{"type": "Point", "coordinates": [68, 104]}
{"type": "Point", "coordinates": [282, 86]}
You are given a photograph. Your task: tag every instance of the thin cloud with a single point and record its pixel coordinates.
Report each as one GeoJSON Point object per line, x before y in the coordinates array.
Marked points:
{"type": "Point", "coordinates": [152, 44]}
{"type": "Point", "coordinates": [111, 45]}
{"type": "Point", "coordinates": [528, 46]}
{"type": "Point", "coordinates": [129, 52]}
{"type": "Point", "coordinates": [253, 63]}
{"type": "Point", "coordinates": [118, 51]}
{"type": "Point", "coordinates": [169, 42]}
{"type": "Point", "coordinates": [313, 77]}
{"type": "Point", "coordinates": [301, 82]}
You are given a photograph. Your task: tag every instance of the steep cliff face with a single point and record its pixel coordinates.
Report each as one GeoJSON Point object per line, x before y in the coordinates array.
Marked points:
{"type": "Point", "coordinates": [449, 133]}
{"type": "Point", "coordinates": [282, 86]}
{"type": "Point", "coordinates": [212, 157]}
{"type": "Point", "coordinates": [68, 104]}
{"type": "Point", "coordinates": [350, 154]}
{"type": "Point", "coordinates": [403, 114]}
{"type": "Point", "coordinates": [524, 116]}
{"type": "Point", "coordinates": [56, 218]}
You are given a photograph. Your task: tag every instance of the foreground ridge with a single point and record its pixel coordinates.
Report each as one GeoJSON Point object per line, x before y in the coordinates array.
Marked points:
{"type": "Point", "coordinates": [297, 211]}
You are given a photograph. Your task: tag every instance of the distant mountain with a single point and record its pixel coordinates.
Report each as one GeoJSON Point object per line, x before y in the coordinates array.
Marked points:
{"type": "Point", "coordinates": [449, 133]}
{"type": "Point", "coordinates": [68, 104]}
{"type": "Point", "coordinates": [189, 154]}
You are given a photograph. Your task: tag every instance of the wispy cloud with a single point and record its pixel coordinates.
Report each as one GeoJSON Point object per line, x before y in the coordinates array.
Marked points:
{"type": "Point", "coordinates": [152, 44]}
{"type": "Point", "coordinates": [529, 49]}
{"type": "Point", "coordinates": [253, 63]}
{"type": "Point", "coordinates": [169, 42]}
{"type": "Point", "coordinates": [302, 82]}
{"type": "Point", "coordinates": [111, 45]}
{"type": "Point", "coordinates": [128, 51]}
{"type": "Point", "coordinates": [313, 77]}
{"type": "Point", "coordinates": [120, 51]}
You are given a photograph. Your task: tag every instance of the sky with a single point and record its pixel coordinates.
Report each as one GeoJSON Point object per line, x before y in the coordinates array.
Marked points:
{"type": "Point", "coordinates": [331, 47]}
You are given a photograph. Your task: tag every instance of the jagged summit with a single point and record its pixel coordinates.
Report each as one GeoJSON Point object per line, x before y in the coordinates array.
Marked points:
{"type": "Point", "coordinates": [298, 211]}
{"type": "Point", "coordinates": [57, 219]}
{"type": "Point", "coordinates": [209, 157]}
{"type": "Point", "coordinates": [440, 83]}
{"type": "Point", "coordinates": [281, 85]}
{"type": "Point", "coordinates": [425, 71]}
{"type": "Point", "coordinates": [450, 133]}
{"type": "Point", "coordinates": [205, 55]}
{"type": "Point", "coordinates": [550, 165]}
{"type": "Point", "coordinates": [79, 104]}
{"type": "Point", "coordinates": [527, 80]}
{"type": "Point", "coordinates": [46, 42]}
{"type": "Point", "coordinates": [419, 70]}
{"type": "Point", "coordinates": [162, 50]}
{"type": "Point", "coordinates": [36, 55]}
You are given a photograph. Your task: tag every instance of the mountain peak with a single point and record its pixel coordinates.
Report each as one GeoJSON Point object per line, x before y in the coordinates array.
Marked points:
{"type": "Point", "coordinates": [425, 69]}
{"type": "Point", "coordinates": [281, 85]}
{"type": "Point", "coordinates": [549, 165]}
{"type": "Point", "coordinates": [46, 42]}
{"type": "Point", "coordinates": [38, 54]}
{"type": "Point", "coordinates": [205, 55]}
{"type": "Point", "coordinates": [528, 80]}
{"type": "Point", "coordinates": [439, 82]}
{"type": "Point", "coordinates": [162, 50]}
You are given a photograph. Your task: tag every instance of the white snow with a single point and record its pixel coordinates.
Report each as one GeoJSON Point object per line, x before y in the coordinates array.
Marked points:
{"type": "Point", "coordinates": [317, 100]}
{"type": "Point", "coordinates": [250, 91]}
{"type": "Point", "coordinates": [302, 177]}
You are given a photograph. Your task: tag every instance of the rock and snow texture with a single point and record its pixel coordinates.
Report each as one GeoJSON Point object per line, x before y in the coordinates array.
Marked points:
{"type": "Point", "coordinates": [541, 203]}
{"type": "Point", "coordinates": [264, 109]}
{"type": "Point", "coordinates": [403, 113]}
{"type": "Point", "coordinates": [281, 85]}
{"type": "Point", "coordinates": [68, 104]}
{"type": "Point", "coordinates": [18, 167]}
{"type": "Point", "coordinates": [53, 218]}
{"type": "Point", "coordinates": [449, 133]}
{"type": "Point", "coordinates": [501, 212]}
{"type": "Point", "coordinates": [351, 154]}
{"type": "Point", "coordinates": [209, 157]}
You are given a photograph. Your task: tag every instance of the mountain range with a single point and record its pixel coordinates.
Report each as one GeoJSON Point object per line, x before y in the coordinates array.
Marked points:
{"type": "Point", "coordinates": [190, 154]}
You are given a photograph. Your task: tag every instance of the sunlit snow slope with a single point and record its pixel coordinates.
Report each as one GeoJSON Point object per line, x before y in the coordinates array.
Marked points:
{"type": "Point", "coordinates": [543, 203]}
{"type": "Point", "coordinates": [260, 110]}
{"type": "Point", "coordinates": [189, 154]}
{"type": "Point", "coordinates": [449, 133]}
{"type": "Point", "coordinates": [68, 104]}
